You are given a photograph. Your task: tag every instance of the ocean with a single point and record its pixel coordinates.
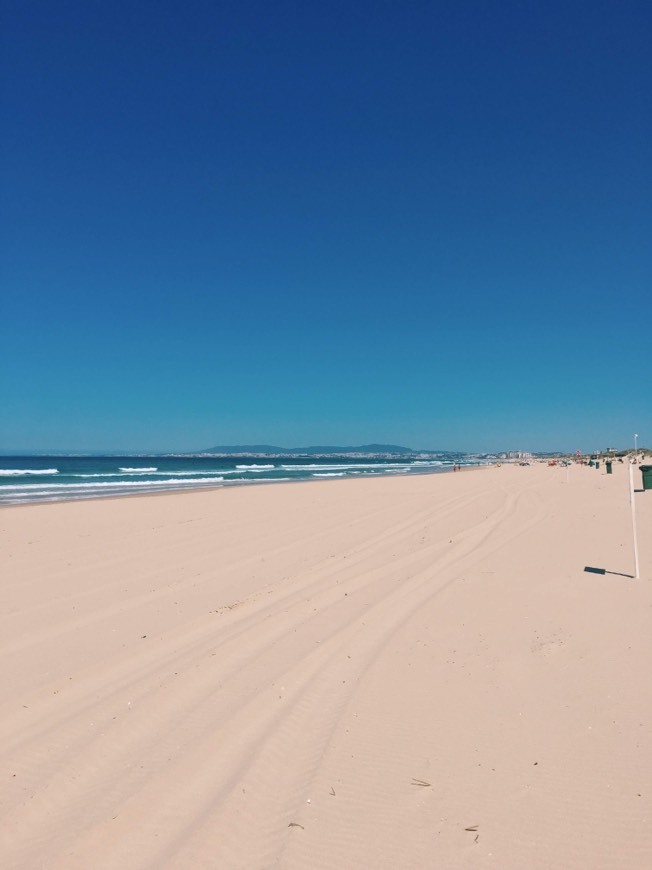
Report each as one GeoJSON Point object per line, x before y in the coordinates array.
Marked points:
{"type": "Point", "coordinates": [26, 479]}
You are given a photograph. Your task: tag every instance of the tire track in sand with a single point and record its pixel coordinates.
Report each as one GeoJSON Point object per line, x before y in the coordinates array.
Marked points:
{"type": "Point", "coordinates": [255, 722]}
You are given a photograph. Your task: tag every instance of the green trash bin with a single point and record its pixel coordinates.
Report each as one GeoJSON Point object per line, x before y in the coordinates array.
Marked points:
{"type": "Point", "coordinates": [591, 463]}
{"type": "Point", "coordinates": [597, 463]}
{"type": "Point", "coordinates": [609, 468]}
{"type": "Point", "coordinates": [646, 471]}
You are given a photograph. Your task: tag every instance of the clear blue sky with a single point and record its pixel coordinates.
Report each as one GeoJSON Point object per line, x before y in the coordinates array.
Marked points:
{"type": "Point", "coordinates": [426, 223]}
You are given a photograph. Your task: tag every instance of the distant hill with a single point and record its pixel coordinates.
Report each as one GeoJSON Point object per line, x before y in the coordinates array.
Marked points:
{"type": "Point", "coordinates": [244, 449]}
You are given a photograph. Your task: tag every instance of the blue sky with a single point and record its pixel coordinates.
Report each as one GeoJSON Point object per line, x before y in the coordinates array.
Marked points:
{"type": "Point", "coordinates": [426, 223]}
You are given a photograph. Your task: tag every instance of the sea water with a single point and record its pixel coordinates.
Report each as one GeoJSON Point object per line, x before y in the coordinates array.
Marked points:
{"type": "Point", "coordinates": [26, 479]}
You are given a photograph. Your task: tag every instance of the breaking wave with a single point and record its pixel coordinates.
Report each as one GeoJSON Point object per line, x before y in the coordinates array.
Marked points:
{"type": "Point", "coordinates": [16, 472]}
{"type": "Point", "coordinates": [142, 470]}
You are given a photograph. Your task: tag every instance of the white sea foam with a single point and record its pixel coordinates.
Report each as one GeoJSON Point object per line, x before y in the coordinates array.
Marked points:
{"type": "Point", "coordinates": [251, 467]}
{"type": "Point", "coordinates": [191, 473]}
{"type": "Point", "coordinates": [329, 474]}
{"type": "Point", "coordinates": [17, 472]}
{"type": "Point", "coordinates": [258, 480]}
{"type": "Point", "coordinates": [319, 466]}
{"type": "Point", "coordinates": [64, 487]}
{"type": "Point", "coordinates": [142, 470]}
{"type": "Point", "coordinates": [145, 473]}
{"type": "Point", "coordinates": [104, 474]}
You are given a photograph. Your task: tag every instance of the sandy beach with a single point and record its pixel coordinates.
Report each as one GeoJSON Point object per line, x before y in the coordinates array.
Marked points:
{"type": "Point", "coordinates": [409, 672]}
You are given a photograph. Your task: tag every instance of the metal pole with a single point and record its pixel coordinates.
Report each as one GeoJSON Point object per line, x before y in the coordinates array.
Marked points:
{"type": "Point", "coordinates": [633, 506]}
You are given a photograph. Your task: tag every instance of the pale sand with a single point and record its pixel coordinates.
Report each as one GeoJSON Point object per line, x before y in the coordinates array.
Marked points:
{"type": "Point", "coordinates": [342, 674]}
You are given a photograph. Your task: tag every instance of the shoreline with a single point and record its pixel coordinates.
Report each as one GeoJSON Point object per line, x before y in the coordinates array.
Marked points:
{"type": "Point", "coordinates": [409, 672]}
{"type": "Point", "coordinates": [223, 485]}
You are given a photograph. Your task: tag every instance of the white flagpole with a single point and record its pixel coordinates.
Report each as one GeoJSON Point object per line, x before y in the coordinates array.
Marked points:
{"type": "Point", "coordinates": [633, 506]}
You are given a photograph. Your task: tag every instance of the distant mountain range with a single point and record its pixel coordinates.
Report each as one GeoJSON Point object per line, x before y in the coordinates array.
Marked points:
{"type": "Point", "coordinates": [247, 449]}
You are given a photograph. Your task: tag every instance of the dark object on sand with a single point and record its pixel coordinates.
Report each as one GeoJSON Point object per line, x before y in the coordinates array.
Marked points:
{"type": "Point", "coordinates": [646, 473]}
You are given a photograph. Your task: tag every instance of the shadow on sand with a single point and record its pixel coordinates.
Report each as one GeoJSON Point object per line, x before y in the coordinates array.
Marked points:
{"type": "Point", "coordinates": [590, 570]}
